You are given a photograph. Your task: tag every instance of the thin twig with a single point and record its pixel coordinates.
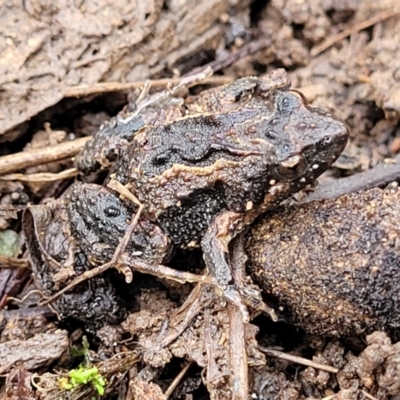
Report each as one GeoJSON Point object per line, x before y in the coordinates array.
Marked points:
{"type": "Point", "coordinates": [382, 16]}
{"type": "Point", "coordinates": [380, 175]}
{"type": "Point", "coordinates": [15, 162]}
{"type": "Point", "coordinates": [177, 380]}
{"type": "Point", "coordinates": [164, 272]}
{"type": "Point", "coordinates": [368, 396]}
{"type": "Point", "coordinates": [298, 360]}
{"type": "Point", "coordinates": [237, 343]}
{"type": "Point", "coordinates": [108, 87]}
{"type": "Point", "coordinates": [122, 190]}
{"type": "Point", "coordinates": [41, 176]}
{"type": "Point", "coordinates": [212, 371]}
{"type": "Point", "coordinates": [13, 262]}
{"type": "Point", "coordinates": [161, 271]}
{"type": "Point", "coordinates": [183, 316]}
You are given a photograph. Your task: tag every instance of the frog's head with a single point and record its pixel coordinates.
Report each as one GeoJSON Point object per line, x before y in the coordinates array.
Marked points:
{"type": "Point", "coordinates": [96, 212]}
{"type": "Point", "coordinates": [99, 219]}
{"type": "Point", "coordinates": [306, 140]}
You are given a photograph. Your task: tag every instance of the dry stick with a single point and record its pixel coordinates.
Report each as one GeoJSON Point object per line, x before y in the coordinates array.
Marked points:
{"type": "Point", "coordinates": [298, 360]}
{"type": "Point", "coordinates": [237, 345]}
{"type": "Point", "coordinates": [380, 175]}
{"type": "Point", "coordinates": [24, 159]}
{"type": "Point", "coordinates": [126, 263]}
{"type": "Point", "coordinates": [382, 16]}
{"type": "Point", "coordinates": [29, 294]}
{"type": "Point", "coordinates": [183, 316]}
{"type": "Point", "coordinates": [41, 176]}
{"type": "Point", "coordinates": [177, 380]}
{"type": "Point", "coordinates": [162, 271]}
{"type": "Point", "coordinates": [368, 396]}
{"type": "Point", "coordinates": [107, 87]}
{"type": "Point", "coordinates": [212, 370]}
{"type": "Point", "coordinates": [13, 262]}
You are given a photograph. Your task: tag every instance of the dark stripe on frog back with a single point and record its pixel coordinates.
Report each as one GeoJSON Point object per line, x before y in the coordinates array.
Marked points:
{"type": "Point", "coordinates": [188, 141]}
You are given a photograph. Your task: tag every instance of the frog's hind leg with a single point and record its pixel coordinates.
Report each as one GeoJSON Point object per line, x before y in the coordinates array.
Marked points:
{"type": "Point", "coordinates": [215, 246]}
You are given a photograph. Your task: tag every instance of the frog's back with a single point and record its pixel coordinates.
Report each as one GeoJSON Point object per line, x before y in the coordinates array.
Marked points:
{"type": "Point", "coordinates": [255, 151]}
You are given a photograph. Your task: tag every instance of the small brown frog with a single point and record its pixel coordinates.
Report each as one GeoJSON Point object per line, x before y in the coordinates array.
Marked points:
{"type": "Point", "coordinates": [238, 151]}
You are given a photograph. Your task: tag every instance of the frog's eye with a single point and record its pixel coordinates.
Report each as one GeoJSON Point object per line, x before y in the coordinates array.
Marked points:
{"type": "Point", "coordinates": [112, 212]}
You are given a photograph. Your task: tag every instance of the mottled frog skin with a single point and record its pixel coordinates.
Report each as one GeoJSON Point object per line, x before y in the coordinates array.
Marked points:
{"type": "Point", "coordinates": [233, 153]}
{"type": "Point", "coordinates": [99, 220]}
